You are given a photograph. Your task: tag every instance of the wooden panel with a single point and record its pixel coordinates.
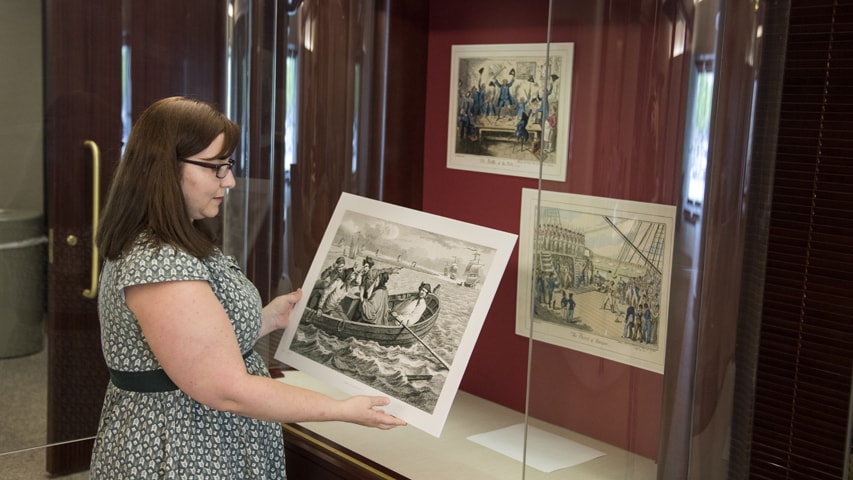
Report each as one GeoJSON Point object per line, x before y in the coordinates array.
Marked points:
{"type": "Point", "coordinates": [352, 44]}
{"type": "Point", "coordinates": [399, 98]}
{"type": "Point", "coordinates": [311, 456]}
{"type": "Point", "coordinates": [83, 102]}
{"type": "Point", "coordinates": [176, 48]}
{"type": "Point", "coordinates": [332, 98]}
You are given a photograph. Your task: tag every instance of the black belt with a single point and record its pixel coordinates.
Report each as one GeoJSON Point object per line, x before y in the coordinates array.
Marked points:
{"type": "Point", "coordinates": [150, 381]}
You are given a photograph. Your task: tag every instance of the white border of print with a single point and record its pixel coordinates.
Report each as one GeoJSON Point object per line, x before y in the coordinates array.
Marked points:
{"type": "Point", "coordinates": [420, 243]}
{"type": "Point", "coordinates": [528, 60]}
{"type": "Point", "coordinates": [602, 223]}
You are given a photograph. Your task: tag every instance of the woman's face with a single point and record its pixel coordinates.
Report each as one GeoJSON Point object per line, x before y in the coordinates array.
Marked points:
{"type": "Point", "coordinates": [203, 192]}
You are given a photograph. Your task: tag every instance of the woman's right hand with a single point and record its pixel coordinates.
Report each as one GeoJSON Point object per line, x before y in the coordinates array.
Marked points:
{"type": "Point", "coordinates": [362, 410]}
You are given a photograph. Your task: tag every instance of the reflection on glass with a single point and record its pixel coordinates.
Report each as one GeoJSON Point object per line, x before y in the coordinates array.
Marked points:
{"type": "Point", "coordinates": [700, 128]}
{"type": "Point", "coordinates": [237, 58]}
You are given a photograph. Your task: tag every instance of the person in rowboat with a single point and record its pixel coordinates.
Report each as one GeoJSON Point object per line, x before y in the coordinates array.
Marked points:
{"type": "Point", "coordinates": [327, 276]}
{"type": "Point", "coordinates": [409, 312]}
{"type": "Point", "coordinates": [374, 302]}
{"type": "Point", "coordinates": [330, 301]}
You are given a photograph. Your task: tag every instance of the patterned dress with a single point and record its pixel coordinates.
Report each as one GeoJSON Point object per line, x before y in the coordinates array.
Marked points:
{"type": "Point", "coordinates": [168, 435]}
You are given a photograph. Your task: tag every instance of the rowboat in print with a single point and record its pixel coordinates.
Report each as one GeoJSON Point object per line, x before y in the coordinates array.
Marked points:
{"type": "Point", "coordinates": [336, 324]}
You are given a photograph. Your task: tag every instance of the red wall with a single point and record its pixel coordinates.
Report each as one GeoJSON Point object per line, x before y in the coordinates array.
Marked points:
{"type": "Point", "coordinates": [625, 142]}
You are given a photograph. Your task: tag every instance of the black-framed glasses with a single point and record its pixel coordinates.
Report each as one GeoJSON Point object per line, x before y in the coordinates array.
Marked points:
{"type": "Point", "coordinates": [221, 169]}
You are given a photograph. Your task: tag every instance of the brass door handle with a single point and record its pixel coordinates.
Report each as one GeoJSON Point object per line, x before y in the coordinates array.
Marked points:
{"type": "Point", "coordinates": [92, 291]}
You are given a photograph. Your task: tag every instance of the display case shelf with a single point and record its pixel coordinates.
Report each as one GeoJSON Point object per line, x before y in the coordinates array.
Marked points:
{"type": "Point", "coordinates": [409, 453]}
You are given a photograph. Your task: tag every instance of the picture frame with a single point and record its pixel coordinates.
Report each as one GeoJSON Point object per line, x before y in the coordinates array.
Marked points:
{"type": "Point", "coordinates": [510, 108]}
{"type": "Point", "coordinates": [418, 365]}
{"type": "Point", "coordinates": [605, 255]}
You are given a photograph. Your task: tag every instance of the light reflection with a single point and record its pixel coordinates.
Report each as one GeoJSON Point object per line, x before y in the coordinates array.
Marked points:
{"type": "Point", "coordinates": [308, 34]}
{"type": "Point", "coordinates": [680, 37]}
{"type": "Point", "coordinates": [700, 127]}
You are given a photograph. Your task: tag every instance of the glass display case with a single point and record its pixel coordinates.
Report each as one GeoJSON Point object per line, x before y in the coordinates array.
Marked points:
{"type": "Point", "coordinates": [656, 314]}
{"type": "Point", "coordinates": [632, 146]}
{"type": "Point", "coordinates": [623, 109]}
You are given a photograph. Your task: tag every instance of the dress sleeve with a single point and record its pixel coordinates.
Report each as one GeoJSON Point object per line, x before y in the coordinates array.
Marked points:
{"type": "Point", "coordinates": [161, 264]}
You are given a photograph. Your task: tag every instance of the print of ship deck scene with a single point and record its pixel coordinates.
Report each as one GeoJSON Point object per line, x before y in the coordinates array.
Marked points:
{"type": "Point", "coordinates": [599, 275]}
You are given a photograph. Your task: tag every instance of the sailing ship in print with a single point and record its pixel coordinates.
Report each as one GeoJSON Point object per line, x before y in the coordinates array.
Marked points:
{"type": "Point", "coordinates": [473, 271]}
{"type": "Point", "coordinates": [351, 247]}
{"type": "Point", "coordinates": [451, 270]}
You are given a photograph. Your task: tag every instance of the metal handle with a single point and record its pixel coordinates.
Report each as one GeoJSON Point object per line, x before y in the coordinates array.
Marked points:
{"type": "Point", "coordinates": [92, 291]}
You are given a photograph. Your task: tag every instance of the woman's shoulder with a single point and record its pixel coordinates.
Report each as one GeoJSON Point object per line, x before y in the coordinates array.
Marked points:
{"type": "Point", "coordinates": [144, 247]}
{"type": "Point", "coordinates": [152, 261]}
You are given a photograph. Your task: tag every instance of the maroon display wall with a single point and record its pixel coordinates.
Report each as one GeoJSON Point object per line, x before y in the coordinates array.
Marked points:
{"type": "Point", "coordinates": [625, 142]}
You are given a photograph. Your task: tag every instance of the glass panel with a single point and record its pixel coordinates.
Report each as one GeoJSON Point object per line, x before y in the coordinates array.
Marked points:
{"type": "Point", "coordinates": [24, 255]}
{"type": "Point", "coordinates": [620, 320]}
{"type": "Point", "coordinates": [304, 97]}
{"type": "Point", "coordinates": [32, 373]}
{"type": "Point", "coordinates": [331, 49]}
{"type": "Point", "coordinates": [23, 367]}
{"type": "Point", "coordinates": [239, 76]}
{"type": "Point", "coordinates": [604, 241]}
{"type": "Point", "coordinates": [642, 129]}
{"type": "Point", "coordinates": [848, 467]}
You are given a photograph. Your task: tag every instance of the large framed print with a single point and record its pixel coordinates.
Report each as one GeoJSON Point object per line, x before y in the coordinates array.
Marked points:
{"type": "Point", "coordinates": [594, 275]}
{"type": "Point", "coordinates": [509, 109]}
{"type": "Point", "coordinates": [393, 304]}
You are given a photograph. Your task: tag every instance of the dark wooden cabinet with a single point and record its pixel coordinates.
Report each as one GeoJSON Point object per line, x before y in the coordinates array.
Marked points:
{"type": "Point", "coordinates": [311, 456]}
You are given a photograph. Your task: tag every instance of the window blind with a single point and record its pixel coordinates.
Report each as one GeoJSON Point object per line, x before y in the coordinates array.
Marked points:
{"type": "Point", "coordinates": [805, 352]}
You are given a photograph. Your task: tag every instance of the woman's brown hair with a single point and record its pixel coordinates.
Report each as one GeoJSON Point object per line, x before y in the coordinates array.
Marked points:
{"type": "Point", "coordinates": [145, 195]}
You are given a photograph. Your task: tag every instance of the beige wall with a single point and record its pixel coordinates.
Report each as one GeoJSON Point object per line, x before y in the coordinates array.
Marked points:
{"type": "Point", "coordinates": [21, 163]}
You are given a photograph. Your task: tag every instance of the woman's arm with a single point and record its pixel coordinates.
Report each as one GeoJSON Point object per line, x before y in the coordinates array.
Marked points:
{"type": "Point", "coordinates": [194, 341]}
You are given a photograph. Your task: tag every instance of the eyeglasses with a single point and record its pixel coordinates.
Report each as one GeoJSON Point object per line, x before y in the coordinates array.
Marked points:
{"type": "Point", "coordinates": [221, 169]}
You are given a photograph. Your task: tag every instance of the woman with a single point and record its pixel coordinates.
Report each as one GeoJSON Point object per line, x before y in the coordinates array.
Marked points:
{"type": "Point", "coordinates": [374, 304]}
{"type": "Point", "coordinates": [188, 397]}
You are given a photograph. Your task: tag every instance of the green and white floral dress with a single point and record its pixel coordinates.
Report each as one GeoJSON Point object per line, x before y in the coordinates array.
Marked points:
{"type": "Point", "coordinates": [168, 435]}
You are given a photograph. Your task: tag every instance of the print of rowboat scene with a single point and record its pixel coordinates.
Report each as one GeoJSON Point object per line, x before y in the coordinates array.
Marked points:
{"type": "Point", "coordinates": [408, 351]}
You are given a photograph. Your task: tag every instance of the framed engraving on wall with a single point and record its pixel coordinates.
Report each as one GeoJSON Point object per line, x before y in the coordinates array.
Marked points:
{"type": "Point", "coordinates": [593, 275]}
{"type": "Point", "coordinates": [393, 304]}
{"type": "Point", "coordinates": [509, 109]}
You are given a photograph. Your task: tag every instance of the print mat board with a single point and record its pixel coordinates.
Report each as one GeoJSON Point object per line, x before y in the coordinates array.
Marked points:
{"type": "Point", "coordinates": [419, 365]}
{"type": "Point", "coordinates": [509, 109]}
{"type": "Point", "coordinates": [607, 260]}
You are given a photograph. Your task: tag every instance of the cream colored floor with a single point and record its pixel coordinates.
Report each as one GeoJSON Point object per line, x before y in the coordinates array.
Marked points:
{"type": "Point", "coordinates": [23, 424]}
{"type": "Point", "coordinates": [23, 421]}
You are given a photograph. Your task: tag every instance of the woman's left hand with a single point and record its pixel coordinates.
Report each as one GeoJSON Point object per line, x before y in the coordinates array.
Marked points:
{"type": "Point", "coordinates": [276, 314]}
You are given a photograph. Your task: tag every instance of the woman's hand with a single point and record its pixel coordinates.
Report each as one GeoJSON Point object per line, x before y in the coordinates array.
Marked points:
{"type": "Point", "coordinates": [276, 315]}
{"type": "Point", "coordinates": [361, 410]}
